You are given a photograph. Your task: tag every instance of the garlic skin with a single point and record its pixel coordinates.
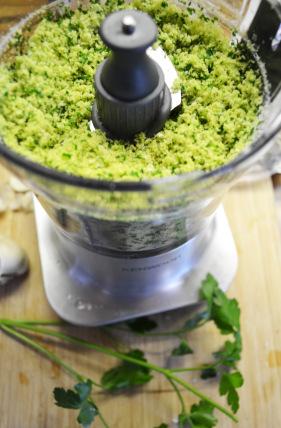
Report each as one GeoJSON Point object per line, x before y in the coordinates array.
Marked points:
{"type": "Point", "coordinates": [15, 196]}
{"type": "Point", "coordinates": [13, 260]}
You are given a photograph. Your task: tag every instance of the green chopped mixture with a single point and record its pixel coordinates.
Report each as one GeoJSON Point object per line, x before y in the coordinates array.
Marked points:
{"type": "Point", "coordinates": [46, 96]}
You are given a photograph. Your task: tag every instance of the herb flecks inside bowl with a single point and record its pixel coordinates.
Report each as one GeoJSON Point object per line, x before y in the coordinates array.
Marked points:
{"type": "Point", "coordinates": [46, 96]}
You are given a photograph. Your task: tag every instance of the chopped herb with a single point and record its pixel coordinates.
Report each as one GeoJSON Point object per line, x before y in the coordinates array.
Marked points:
{"type": "Point", "coordinates": [67, 155]}
{"type": "Point", "coordinates": [63, 52]}
{"type": "Point", "coordinates": [50, 15]}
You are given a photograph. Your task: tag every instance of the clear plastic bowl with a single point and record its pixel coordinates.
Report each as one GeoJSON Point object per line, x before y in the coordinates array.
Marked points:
{"type": "Point", "coordinates": [150, 217]}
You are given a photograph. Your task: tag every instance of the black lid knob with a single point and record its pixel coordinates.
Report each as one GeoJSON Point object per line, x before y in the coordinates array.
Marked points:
{"type": "Point", "coordinates": [128, 24]}
{"type": "Point", "coordinates": [130, 87]}
{"type": "Point", "coordinates": [128, 30]}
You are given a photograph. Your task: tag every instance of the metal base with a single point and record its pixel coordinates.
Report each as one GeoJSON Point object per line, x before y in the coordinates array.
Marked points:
{"type": "Point", "coordinates": [84, 298]}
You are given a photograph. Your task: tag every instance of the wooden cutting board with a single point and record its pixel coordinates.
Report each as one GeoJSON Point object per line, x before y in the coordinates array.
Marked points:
{"type": "Point", "coordinates": [27, 379]}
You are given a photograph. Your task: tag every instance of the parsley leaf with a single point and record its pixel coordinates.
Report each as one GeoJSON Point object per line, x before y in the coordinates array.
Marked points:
{"type": "Point", "coordinates": [223, 311]}
{"type": "Point", "coordinates": [230, 353]}
{"type": "Point", "coordinates": [226, 314]}
{"type": "Point", "coordinates": [182, 349]}
{"type": "Point", "coordinates": [228, 384]}
{"type": "Point", "coordinates": [79, 398]}
{"type": "Point", "coordinates": [67, 398]}
{"type": "Point", "coordinates": [208, 288]}
{"type": "Point", "coordinates": [84, 390]}
{"type": "Point", "coordinates": [142, 324]}
{"type": "Point", "coordinates": [201, 415]}
{"type": "Point", "coordinates": [226, 357]}
{"type": "Point", "coordinates": [87, 414]}
{"type": "Point", "coordinates": [183, 420]}
{"type": "Point", "coordinates": [126, 374]}
{"type": "Point", "coordinates": [208, 373]}
{"type": "Point", "coordinates": [197, 320]}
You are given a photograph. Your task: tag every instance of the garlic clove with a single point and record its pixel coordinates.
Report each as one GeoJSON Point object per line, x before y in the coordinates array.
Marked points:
{"type": "Point", "coordinates": [13, 260]}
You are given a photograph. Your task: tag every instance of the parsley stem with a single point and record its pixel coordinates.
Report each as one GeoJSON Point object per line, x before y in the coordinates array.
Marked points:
{"type": "Point", "coordinates": [39, 348]}
{"type": "Point", "coordinates": [166, 372]}
{"type": "Point", "coordinates": [39, 322]}
{"type": "Point", "coordinates": [103, 420]}
{"type": "Point", "coordinates": [179, 394]}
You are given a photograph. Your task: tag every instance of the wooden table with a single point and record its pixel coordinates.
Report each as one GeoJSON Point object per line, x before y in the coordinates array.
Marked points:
{"type": "Point", "coordinates": [27, 379]}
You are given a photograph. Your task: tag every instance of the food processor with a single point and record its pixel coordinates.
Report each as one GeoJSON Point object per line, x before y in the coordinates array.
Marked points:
{"type": "Point", "coordinates": [111, 251]}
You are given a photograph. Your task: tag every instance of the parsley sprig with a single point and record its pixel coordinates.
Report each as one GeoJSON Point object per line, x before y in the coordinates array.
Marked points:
{"type": "Point", "coordinates": [79, 398]}
{"type": "Point", "coordinates": [135, 370]}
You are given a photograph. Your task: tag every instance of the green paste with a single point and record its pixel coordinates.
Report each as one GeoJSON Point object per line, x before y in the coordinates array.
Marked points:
{"type": "Point", "coordinates": [46, 95]}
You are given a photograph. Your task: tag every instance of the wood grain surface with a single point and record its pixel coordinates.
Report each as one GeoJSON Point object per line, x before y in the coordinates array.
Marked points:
{"type": "Point", "coordinates": [12, 11]}
{"type": "Point", "coordinates": [27, 379]}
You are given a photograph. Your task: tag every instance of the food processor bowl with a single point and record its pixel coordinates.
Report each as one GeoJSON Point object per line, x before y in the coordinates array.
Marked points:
{"type": "Point", "coordinates": [137, 238]}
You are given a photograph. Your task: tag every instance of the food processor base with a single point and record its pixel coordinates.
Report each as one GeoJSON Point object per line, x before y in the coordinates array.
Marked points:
{"type": "Point", "coordinates": [82, 302]}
